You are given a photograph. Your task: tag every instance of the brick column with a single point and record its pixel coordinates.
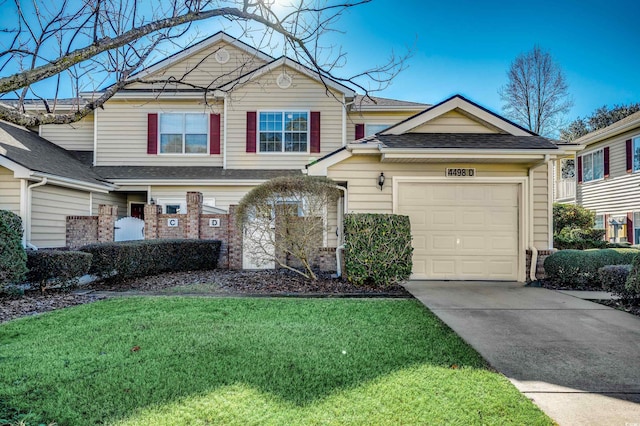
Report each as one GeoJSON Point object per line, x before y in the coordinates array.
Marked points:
{"type": "Point", "coordinates": [194, 211]}
{"type": "Point", "coordinates": [151, 212]}
{"type": "Point", "coordinates": [107, 216]}
{"type": "Point", "coordinates": [235, 240]}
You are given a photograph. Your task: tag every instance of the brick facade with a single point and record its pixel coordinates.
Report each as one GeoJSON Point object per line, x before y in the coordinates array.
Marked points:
{"type": "Point", "coordinates": [542, 255]}
{"type": "Point", "coordinates": [107, 216]}
{"type": "Point", "coordinates": [81, 230]}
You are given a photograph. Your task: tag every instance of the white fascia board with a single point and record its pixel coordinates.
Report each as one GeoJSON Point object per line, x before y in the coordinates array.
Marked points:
{"type": "Point", "coordinates": [73, 183]}
{"type": "Point", "coordinates": [19, 171]}
{"type": "Point", "coordinates": [284, 61]}
{"type": "Point", "coordinates": [185, 182]}
{"type": "Point", "coordinates": [614, 131]}
{"type": "Point", "coordinates": [320, 168]}
{"type": "Point", "coordinates": [466, 155]}
{"type": "Point", "coordinates": [202, 45]}
{"type": "Point", "coordinates": [450, 105]}
{"type": "Point", "coordinates": [383, 108]}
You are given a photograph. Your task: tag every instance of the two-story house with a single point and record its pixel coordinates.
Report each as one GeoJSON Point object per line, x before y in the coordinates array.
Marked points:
{"type": "Point", "coordinates": [608, 178]}
{"type": "Point", "coordinates": [477, 187]}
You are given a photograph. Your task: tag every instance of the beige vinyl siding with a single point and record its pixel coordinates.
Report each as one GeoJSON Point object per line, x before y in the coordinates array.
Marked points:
{"type": "Point", "coordinates": [618, 194]}
{"type": "Point", "coordinates": [224, 195]}
{"type": "Point", "coordinates": [453, 122]}
{"type": "Point", "coordinates": [262, 94]}
{"type": "Point", "coordinates": [76, 136]}
{"type": "Point", "coordinates": [113, 199]}
{"type": "Point", "coordinates": [202, 68]}
{"type": "Point", "coordinates": [122, 134]}
{"type": "Point", "coordinates": [541, 208]}
{"type": "Point", "coordinates": [9, 191]}
{"type": "Point", "coordinates": [369, 117]}
{"type": "Point", "coordinates": [50, 206]}
{"type": "Point", "coordinates": [364, 195]}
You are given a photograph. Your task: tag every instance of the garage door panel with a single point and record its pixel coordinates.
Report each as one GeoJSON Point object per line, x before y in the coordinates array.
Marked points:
{"type": "Point", "coordinates": [463, 231]}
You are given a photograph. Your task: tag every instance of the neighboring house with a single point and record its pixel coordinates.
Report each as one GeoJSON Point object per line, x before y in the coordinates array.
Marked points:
{"type": "Point", "coordinates": [477, 187]}
{"type": "Point", "coordinates": [608, 178]}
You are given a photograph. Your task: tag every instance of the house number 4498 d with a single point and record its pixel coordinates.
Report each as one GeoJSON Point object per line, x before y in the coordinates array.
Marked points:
{"type": "Point", "coordinates": [460, 172]}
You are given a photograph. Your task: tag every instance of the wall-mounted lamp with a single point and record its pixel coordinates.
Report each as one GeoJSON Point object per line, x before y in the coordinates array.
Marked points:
{"type": "Point", "coordinates": [381, 181]}
{"type": "Point", "coordinates": [152, 201]}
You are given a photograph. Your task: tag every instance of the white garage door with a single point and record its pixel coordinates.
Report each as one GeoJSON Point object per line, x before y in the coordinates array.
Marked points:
{"type": "Point", "coordinates": [462, 231]}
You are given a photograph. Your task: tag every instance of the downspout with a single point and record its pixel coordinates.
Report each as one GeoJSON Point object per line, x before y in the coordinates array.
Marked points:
{"type": "Point", "coordinates": [341, 213]}
{"type": "Point", "coordinates": [532, 247]}
{"type": "Point", "coordinates": [224, 135]}
{"type": "Point", "coordinates": [28, 211]}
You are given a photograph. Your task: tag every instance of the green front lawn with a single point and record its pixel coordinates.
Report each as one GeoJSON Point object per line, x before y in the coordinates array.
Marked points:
{"type": "Point", "coordinates": [177, 361]}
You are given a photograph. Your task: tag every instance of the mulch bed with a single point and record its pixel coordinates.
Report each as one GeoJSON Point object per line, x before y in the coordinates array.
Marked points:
{"type": "Point", "coordinates": [264, 283]}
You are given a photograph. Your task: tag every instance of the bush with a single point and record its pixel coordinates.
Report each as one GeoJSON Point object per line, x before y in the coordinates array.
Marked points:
{"type": "Point", "coordinates": [579, 268]}
{"type": "Point", "coordinates": [13, 259]}
{"type": "Point", "coordinates": [377, 248]}
{"type": "Point", "coordinates": [140, 258]}
{"type": "Point", "coordinates": [614, 278]}
{"type": "Point", "coordinates": [579, 239]}
{"type": "Point", "coordinates": [57, 268]}
{"type": "Point", "coordinates": [572, 216]}
{"type": "Point", "coordinates": [633, 281]}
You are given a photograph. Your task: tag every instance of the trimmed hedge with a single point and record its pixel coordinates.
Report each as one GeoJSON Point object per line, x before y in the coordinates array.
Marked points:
{"type": "Point", "coordinates": [633, 281]}
{"type": "Point", "coordinates": [614, 279]}
{"type": "Point", "coordinates": [579, 239]}
{"type": "Point", "coordinates": [56, 267]}
{"type": "Point", "coordinates": [377, 248]}
{"type": "Point", "coordinates": [579, 268]}
{"type": "Point", "coordinates": [140, 258]}
{"type": "Point", "coordinates": [13, 259]}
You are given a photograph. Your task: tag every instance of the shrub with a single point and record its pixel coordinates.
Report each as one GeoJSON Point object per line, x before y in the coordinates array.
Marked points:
{"type": "Point", "coordinates": [572, 216]}
{"type": "Point", "coordinates": [633, 281]}
{"type": "Point", "coordinates": [614, 278]}
{"type": "Point", "coordinates": [13, 259]}
{"type": "Point", "coordinates": [579, 268]}
{"type": "Point", "coordinates": [377, 248]}
{"type": "Point", "coordinates": [57, 268]}
{"type": "Point", "coordinates": [579, 239]}
{"type": "Point", "coordinates": [140, 258]}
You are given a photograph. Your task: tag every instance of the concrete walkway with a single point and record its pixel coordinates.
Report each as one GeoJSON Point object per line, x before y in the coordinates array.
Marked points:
{"type": "Point", "coordinates": [577, 360]}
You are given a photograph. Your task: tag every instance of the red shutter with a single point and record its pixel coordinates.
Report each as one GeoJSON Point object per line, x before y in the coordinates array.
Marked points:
{"type": "Point", "coordinates": [630, 228]}
{"type": "Point", "coordinates": [314, 144]}
{"type": "Point", "coordinates": [152, 134]}
{"type": "Point", "coordinates": [579, 169]}
{"type": "Point", "coordinates": [251, 131]}
{"type": "Point", "coordinates": [606, 162]}
{"type": "Point", "coordinates": [629, 156]}
{"type": "Point", "coordinates": [214, 134]}
{"type": "Point", "coordinates": [359, 131]}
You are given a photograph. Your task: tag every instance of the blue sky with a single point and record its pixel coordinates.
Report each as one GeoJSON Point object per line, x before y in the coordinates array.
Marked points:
{"type": "Point", "coordinates": [466, 47]}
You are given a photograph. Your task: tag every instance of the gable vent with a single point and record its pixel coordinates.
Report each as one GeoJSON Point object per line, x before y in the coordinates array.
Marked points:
{"type": "Point", "coordinates": [284, 80]}
{"type": "Point", "coordinates": [222, 56]}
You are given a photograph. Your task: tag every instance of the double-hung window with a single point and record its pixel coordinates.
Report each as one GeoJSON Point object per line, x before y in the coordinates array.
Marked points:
{"type": "Point", "coordinates": [636, 153]}
{"type": "Point", "coordinates": [599, 222]}
{"type": "Point", "coordinates": [593, 166]}
{"type": "Point", "coordinates": [372, 129]}
{"type": "Point", "coordinates": [183, 133]}
{"type": "Point", "coordinates": [284, 131]}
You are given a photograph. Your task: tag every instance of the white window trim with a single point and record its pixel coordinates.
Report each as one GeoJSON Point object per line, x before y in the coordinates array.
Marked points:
{"type": "Point", "coordinates": [604, 225]}
{"type": "Point", "coordinates": [633, 153]}
{"type": "Point", "coordinates": [636, 225]}
{"type": "Point", "coordinates": [283, 152]}
{"type": "Point", "coordinates": [591, 154]}
{"type": "Point", "coordinates": [172, 201]}
{"type": "Point", "coordinates": [184, 154]}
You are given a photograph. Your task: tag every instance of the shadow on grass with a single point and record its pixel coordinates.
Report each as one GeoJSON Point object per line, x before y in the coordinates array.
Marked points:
{"type": "Point", "coordinates": [101, 363]}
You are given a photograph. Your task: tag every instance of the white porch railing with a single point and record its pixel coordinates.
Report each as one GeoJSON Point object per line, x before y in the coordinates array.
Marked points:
{"type": "Point", "coordinates": [565, 188]}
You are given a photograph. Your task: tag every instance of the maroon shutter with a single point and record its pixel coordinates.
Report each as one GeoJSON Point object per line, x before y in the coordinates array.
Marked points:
{"type": "Point", "coordinates": [606, 162]}
{"type": "Point", "coordinates": [579, 169]}
{"type": "Point", "coordinates": [152, 134]}
{"type": "Point", "coordinates": [359, 131]}
{"type": "Point", "coordinates": [251, 131]}
{"type": "Point", "coordinates": [630, 228]}
{"type": "Point", "coordinates": [314, 135]}
{"type": "Point", "coordinates": [629, 156]}
{"type": "Point", "coordinates": [214, 134]}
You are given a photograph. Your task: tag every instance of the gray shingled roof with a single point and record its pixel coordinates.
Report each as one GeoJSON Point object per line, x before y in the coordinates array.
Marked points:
{"type": "Point", "coordinates": [477, 141]}
{"type": "Point", "coordinates": [371, 101]}
{"type": "Point", "coordinates": [29, 150]}
{"type": "Point", "coordinates": [188, 173]}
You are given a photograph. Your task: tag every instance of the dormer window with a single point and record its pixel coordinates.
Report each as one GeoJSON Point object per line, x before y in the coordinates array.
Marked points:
{"type": "Point", "coordinates": [283, 131]}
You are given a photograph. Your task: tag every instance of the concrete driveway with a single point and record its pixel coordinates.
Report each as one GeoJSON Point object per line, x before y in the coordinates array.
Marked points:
{"type": "Point", "coordinates": [577, 360]}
